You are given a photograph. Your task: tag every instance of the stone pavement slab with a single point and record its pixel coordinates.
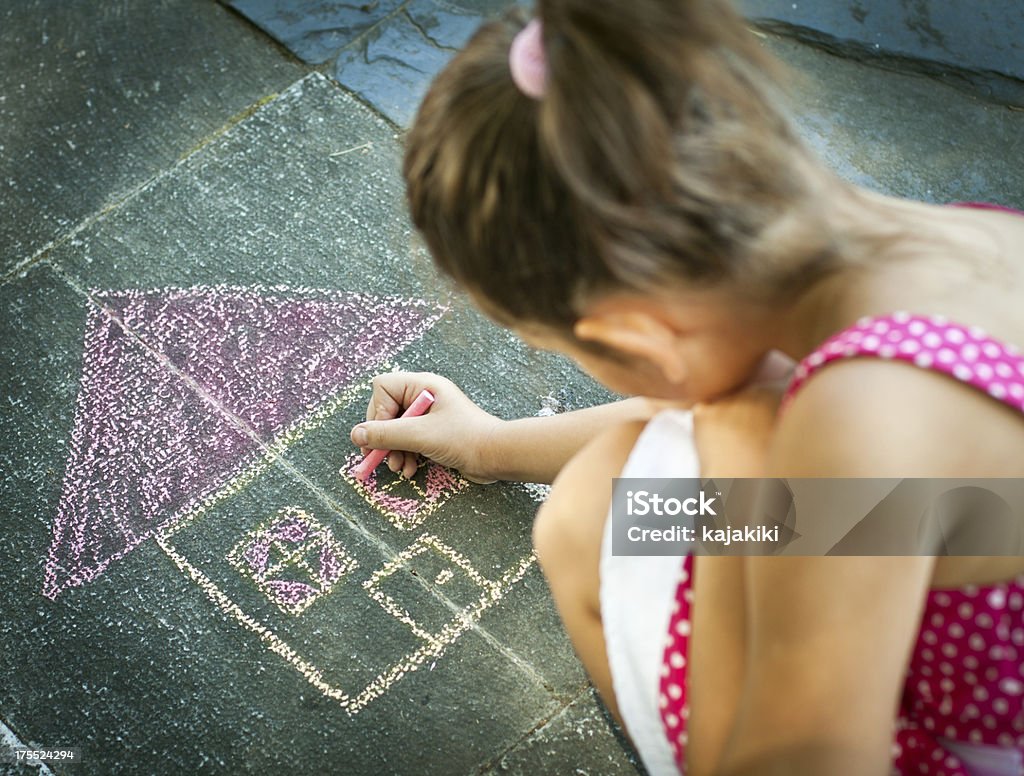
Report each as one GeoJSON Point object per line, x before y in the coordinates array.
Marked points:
{"type": "Point", "coordinates": [95, 101]}
{"type": "Point", "coordinates": [570, 744]}
{"type": "Point", "coordinates": [904, 134]}
{"type": "Point", "coordinates": [978, 43]}
{"type": "Point", "coordinates": [260, 609]}
{"type": "Point", "coordinates": [392, 66]}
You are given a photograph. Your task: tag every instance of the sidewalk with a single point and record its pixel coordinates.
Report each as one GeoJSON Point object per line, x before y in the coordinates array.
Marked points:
{"type": "Point", "coordinates": [204, 258]}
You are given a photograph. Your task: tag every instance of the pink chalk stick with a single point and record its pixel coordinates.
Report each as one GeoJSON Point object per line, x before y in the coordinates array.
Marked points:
{"type": "Point", "coordinates": [374, 458]}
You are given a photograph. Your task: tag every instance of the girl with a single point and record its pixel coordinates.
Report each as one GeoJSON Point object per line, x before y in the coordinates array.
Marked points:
{"type": "Point", "coordinates": [614, 181]}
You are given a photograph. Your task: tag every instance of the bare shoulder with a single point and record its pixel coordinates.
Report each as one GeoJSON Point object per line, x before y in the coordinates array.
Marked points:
{"type": "Point", "coordinates": [878, 418]}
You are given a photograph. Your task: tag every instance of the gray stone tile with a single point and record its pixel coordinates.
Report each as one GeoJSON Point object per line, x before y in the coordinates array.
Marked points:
{"type": "Point", "coordinates": [189, 286]}
{"type": "Point", "coordinates": [982, 39]}
{"type": "Point", "coordinates": [304, 193]}
{"type": "Point", "coordinates": [93, 102]}
{"type": "Point", "coordinates": [905, 134]}
{"type": "Point", "coordinates": [315, 30]}
{"type": "Point", "coordinates": [578, 741]}
{"type": "Point", "coordinates": [451, 24]}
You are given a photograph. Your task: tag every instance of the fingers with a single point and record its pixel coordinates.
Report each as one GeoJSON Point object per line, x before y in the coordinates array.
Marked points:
{"type": "Point", "coordinates": [396, 461]}
{"type": "Point", "coordinates": [394, 391]}
{"type": "Point", "coordinates": [386, 399]}
{"type": "Point", "coordinates": [409, 465]}
{"type": "Point", "coordinates": [396, 434]}
{"type": "Point", "coordinates": [391, 393]}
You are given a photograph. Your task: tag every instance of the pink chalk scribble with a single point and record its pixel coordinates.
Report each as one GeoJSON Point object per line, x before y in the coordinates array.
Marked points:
{"type": "Point", "coordinates": [330, 568]}
{"type": "Point", "coordinates": [293, 530]}
{"type": "Point", "coordinates": [257, 556]}
{"type": "Point", "coordinates": [179, 386]}
{"type": "Point", "coordinates": [406, 503]}
{"type": "Point", "coordinates": [311, 559]}
{"type": "Point", "coordinates": [289, 593]}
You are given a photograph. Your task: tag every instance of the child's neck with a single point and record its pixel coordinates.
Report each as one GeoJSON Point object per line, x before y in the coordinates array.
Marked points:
{"type": "Point", "coordinates": [885, 274]}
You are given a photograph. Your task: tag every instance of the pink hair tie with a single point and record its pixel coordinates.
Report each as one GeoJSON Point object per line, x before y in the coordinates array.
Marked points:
{"type": "Point", "coordinates": [526, 61]}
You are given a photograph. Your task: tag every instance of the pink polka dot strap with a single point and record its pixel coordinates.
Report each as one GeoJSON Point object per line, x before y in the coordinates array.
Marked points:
{"type": "Point", "coordinates": [966, 353]}
{"type": "Point", "coordinates": [672, 687]}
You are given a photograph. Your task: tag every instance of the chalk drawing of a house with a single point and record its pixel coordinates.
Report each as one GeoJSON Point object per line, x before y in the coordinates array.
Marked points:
{"type": "Point", "coordinates": [187, 395]}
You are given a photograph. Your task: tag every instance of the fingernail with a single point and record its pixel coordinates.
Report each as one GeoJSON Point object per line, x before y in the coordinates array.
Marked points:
{"type": "Point", "coordinates": [359, 435]}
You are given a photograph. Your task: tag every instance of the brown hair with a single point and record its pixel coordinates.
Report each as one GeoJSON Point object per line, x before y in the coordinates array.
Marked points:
{"type": "Point", "coordinates": [655, 156]}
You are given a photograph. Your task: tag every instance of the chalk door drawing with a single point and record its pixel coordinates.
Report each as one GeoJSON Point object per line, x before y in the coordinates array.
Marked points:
{"type": "Point", "coordinates": [406, 502]}
{"type": "Point", "coordinates": [187, 397]}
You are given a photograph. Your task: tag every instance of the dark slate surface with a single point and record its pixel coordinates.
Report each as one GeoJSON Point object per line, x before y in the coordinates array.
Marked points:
{"type": "Point", "coordinates": [96, 100]}
{"type": "Point", "coordinates": [981, 38]}
{"type": "Point", "coordinates": [392, 67]}
{"type": "Point", "coordinates": [315, 30]}
{"type": "Point", "coordinates": [152, 667]}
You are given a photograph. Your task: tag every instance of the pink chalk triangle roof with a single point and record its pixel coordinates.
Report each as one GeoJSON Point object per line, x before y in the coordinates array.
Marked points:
{"type": "Point", "coordinates": [180, 385]}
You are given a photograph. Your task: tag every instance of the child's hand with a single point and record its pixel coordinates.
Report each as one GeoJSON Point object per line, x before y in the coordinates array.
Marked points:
{"type": "Point", "coordinates": [455, 432]}
{"type": "Point", "coordinates": [732, 434]}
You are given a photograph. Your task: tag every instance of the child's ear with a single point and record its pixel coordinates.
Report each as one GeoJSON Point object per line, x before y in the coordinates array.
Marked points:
{"type": "Point", "coordinates": [637, 334]}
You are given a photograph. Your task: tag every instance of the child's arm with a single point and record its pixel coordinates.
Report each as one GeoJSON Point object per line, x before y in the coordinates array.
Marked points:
{"type": "Point", "coordinates": [458, 433]}
{"type": "Point", "coordinates": [828, 638]}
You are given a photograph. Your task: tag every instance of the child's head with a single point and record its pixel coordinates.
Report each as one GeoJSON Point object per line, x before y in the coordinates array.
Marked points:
{"type": "Point", "coordinates": [654, 165]}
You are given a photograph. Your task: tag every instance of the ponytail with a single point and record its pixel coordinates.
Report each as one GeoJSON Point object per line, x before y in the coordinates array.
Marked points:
{"type": "Point", "coordinates": [655, 155]}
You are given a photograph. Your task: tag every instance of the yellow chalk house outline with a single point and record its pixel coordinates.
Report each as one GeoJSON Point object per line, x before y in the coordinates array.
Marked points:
{"type": "Point", "coordinates": [434, 643]}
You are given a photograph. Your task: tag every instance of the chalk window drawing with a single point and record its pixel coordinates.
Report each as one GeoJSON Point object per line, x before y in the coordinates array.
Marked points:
{"type": "Point", "coordinates": [406, 503]}
{"type": "Point", "coordinates": [293, 559]}
{"type": "Point", "coordinates": [434, 562]}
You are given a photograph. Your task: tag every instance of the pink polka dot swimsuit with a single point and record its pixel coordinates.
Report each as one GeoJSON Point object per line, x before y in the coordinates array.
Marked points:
{"type": "Point", "coordinates": [964, 687]}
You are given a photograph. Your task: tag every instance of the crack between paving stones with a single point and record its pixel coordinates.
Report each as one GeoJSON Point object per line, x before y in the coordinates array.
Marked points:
{"type": "Point", "coordinates": [397, 129]}
{"type": "Point", "coordinates": [276, 458]}
{"type": "Point", "coordinates": [540, 724]}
